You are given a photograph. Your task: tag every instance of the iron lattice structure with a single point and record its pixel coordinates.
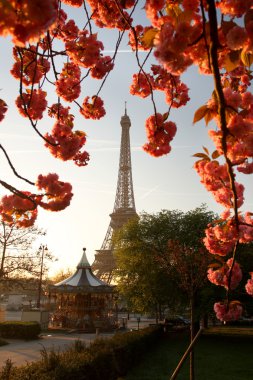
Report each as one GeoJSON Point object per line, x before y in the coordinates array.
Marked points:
{"type": "Point", "coordinates": [124, 206]}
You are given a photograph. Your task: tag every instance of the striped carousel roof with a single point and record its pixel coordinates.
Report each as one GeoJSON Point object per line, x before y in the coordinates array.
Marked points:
{"type": "Point", "coordinates": [83, 278]}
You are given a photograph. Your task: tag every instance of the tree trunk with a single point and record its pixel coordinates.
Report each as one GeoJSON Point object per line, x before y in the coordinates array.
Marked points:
{"type": "Point", "coordinates": [160, 312]}
{"type": "Point", "coordinates": [193, 333]}
{"type": "Point", "coordinates": [156, 313]}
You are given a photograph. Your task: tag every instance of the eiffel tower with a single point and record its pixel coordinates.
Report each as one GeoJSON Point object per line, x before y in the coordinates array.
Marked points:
{"type": "Point", "coordinates": [124, 206]}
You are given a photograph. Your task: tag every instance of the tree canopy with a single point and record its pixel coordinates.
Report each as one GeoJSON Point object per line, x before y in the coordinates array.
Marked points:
{"type": "Point", "coordinates": [151, 271]}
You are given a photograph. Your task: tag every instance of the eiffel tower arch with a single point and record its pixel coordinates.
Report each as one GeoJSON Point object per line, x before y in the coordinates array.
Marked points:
{"type": "Point", "coordinates": [124, 206]}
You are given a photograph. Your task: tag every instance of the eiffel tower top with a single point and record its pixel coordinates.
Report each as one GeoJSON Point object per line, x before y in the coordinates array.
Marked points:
{"type": "Point", "coordinates": [124, 194]}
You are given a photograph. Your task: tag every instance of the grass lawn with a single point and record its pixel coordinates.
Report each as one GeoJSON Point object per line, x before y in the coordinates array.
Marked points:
{"type": "Point", "coordinates": [217, 357]}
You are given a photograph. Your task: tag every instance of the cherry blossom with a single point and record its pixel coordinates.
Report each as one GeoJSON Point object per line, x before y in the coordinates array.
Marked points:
{"type": "Point", "coordinates": [230, 312]}
{"type": "Point", "coordinates": [28, 66]}
{"type": "Point", "coordinates": [68, 85]}
{"type": "Point", "coordinates": [159, 134]}
{"type": "Point", "coordinates": [3, 109]}
{"type": "Point", "coordinates": [63, 142]}
{"type": "Point", "coordinates": [228, 275]}
{"type": "Point", "coordinates": [249, 285]}
{"type": "Point", "coordinates": [32, 104]}
{"type": "Point", "coordinates": [19, 209]}
{"type": "Point", "coordinates": [92, 109]}
{"type": "Point", "coordinates": [85, 50]}
{"type": "Point", "coordinates": [26, 20]}
{"type": "Point", "coordinates": [57, 194]}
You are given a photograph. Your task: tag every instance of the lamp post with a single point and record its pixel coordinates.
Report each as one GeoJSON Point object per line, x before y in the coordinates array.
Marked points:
{"type": "Point", "coordinates": [42, 248]}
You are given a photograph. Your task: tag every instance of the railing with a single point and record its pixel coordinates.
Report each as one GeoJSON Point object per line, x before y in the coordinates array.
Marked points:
{"type": "Point", "coordinates": [190, 347]}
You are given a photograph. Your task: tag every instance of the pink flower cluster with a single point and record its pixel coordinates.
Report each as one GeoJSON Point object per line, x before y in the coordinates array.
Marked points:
{"type": "Point", "coordinates": [63, 142]}
{"type": "Point", "coordinates": [85, 50]}
{"type": "Point", "coordinates": [68, 85]}
{"type": "Point", "coordinates": [57, 194]}
{"type": "Point", "coordinates": [20, 209]}
{"type": "Point", "coordinates": [240, 128]}
{"type": "Point", "coordinates": [228, 275]}
{"type": "Point", "coordinates": [26, 20]}
{"type": "Point", "coordinates": [171, 43]}
{"type": "Point", "coordinates": [73, 3]}
{"type": "Point", "coordinates": [103, 66]}
{"type": "Point", "coordinates": [216, 180]}
{"type": "Point", "coordinates": [222, 236]}
{"type": "Point", "coordinates": [106, 13]}
{"type": "Point", "coordinates": [28, 66]}
{"type": "Point", "coordinates": [159, 134]}
{"type": "Point", "coordinates": [228, 312]}
{"type": "Point", "coordinates": [3, 109]}
{"type": "Point", "coordinates": [94, 109]}
{"type": "Point", "coordinates": [249, 285]}
{"type": "Point", "coordinates": [234, 7]}
{"type": "Point", "coordinates": [176, 92]}
{"type": "Point", "coordinates": [64, 29]}
{"type": "Point", "coordinates": [32, 104]}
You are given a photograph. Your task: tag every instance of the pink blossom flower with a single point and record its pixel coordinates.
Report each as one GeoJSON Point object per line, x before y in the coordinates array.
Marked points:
{"type": "Point", "coordinates": [236, 38]}
{"type": "Point", "coordinates": [228, 312]}
{"type": "Point", "coordinates": [249, 285]}
{"type": "Point", "coordinates": [226, 275]}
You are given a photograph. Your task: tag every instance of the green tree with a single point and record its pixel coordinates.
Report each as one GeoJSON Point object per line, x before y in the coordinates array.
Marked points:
{"type": "Point", "coordinates": [160, 255]}
{"type": "Point", "coordinates": [146, 274]}
{"type": "Point", "coordinates": [142, 283]}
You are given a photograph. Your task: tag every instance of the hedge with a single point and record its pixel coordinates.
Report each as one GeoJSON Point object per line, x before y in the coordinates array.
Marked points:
{"type": "Point", "coordinates": [20, 330]}
{"type": "Point", "coordinates": [105, 358]}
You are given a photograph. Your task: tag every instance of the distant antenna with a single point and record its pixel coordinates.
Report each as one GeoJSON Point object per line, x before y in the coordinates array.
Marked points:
{"type": "Point", "coordinates": [125, 108]}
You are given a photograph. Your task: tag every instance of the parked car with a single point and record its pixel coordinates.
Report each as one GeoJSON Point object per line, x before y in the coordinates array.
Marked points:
{"type": "Point", "coordinates": [177, 321]}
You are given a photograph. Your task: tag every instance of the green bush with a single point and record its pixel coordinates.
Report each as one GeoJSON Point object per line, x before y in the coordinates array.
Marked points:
{"type": "Point", "coordinates": [20, 330]}
{"type": "Point", "coordinates": [3, 342]}
{"type": "Point", "coordinates": [107, 358]}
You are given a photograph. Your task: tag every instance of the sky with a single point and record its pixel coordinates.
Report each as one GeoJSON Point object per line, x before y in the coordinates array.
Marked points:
{"type": "Point", "coordinates": [169, 182]}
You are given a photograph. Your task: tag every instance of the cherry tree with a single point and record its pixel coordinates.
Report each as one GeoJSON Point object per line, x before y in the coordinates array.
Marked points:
{"type": "Point", "coordinates": [214, 35]}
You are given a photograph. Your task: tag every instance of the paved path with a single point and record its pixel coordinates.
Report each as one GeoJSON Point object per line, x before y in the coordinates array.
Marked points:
{"type": "Point", "coordinates": [21, 352]}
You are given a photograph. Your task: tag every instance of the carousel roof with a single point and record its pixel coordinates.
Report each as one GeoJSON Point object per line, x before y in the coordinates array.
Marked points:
{"type": "Point", "coordinates": [83, 278]}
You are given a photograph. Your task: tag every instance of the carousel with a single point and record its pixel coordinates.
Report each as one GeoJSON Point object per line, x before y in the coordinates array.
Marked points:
{"type": "Point", "coordinates": [83, 301]}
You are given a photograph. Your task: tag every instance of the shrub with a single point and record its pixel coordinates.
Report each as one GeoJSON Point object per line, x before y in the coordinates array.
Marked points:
{"type": "Point", "coordinates": [107, 358]}
{"type": "Point", "coordinates": [3, 342]}
{"type": "Point", "coordinates": [20, 330]}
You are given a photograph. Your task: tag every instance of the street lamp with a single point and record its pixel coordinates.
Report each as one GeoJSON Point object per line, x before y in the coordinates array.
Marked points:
{"type": "Point", "coordinates": [42, 248]}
